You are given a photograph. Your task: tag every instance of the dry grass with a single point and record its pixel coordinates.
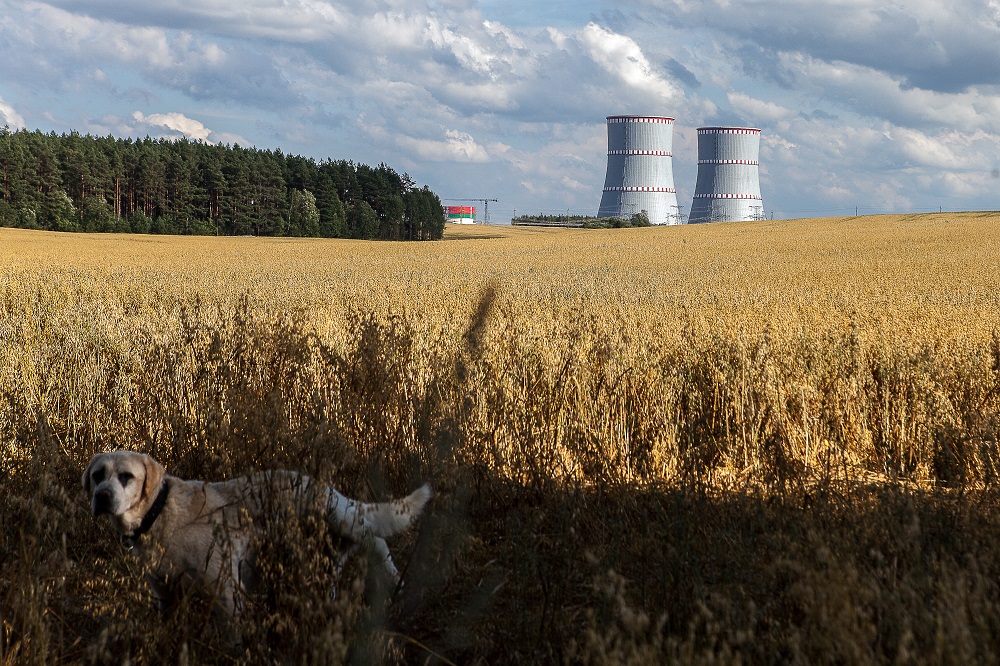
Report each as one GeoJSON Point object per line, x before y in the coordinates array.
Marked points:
{"type": "Point", "coordinates": [766, 443]}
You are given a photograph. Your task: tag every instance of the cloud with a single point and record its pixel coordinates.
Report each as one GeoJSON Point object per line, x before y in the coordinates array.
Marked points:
{"type": "Point", "coordinates": [942, 45]}
{"type": "Point", "coordinates": [682, 73]}
{"type": "Point", "coordinates": [568, 166]}
{"type": "Point", "coordinates": [763, 64]}
{"type": "Point", "coordinates": [757, 111]}
{"type": "Point", "coordinates": [622, 57]}
{"type": "Point", "coordinates": [10, 117]}
{"type": "Point", "coordinates": [456, 146]}
{"type": "Point", "coordinates": [875, 93]}
{"type": "Point", "coordinates": [176, 122]}
{"type": "Point", "coordinates": [948, 150]}
{"type": "Point", "coordinates": [69, 46]}
{"type": "Point", "coordinates": [298, 20]}
{"type": "Point", "coordinates": [176, 125]}
{"type": "Point", "coordinates": [263, 53]}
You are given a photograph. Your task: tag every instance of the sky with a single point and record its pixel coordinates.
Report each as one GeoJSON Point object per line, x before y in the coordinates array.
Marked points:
{"type": "Point", "coordinates": [864, 105]}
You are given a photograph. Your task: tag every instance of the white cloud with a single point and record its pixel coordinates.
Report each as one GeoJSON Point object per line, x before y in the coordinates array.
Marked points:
{"type": "Point", "coordinates": [949, 150]}
{"type": "Point", "coordinates": [471, 53]}
{"type": "Point", "coordinates": [10, 117]}
{"type": "Point", "coordinates": [499, 30]}
{"type": "Point", "coordinates": [177, 122]}
{"type": "Point", "coordinates": [483, 96]}
{"type": "Point", "coordinates": [288, 20]}
{"type": "Point", "coordinates": [944, 45]}
{"type": "Point", "coordinates": [456, 146]}
{"type": "Point", "coordinates": [623, 57]}
{"type": "Point", "coordinates": [758, 111]}
{"type": "Point", "coordinates": [60, 47]}
{"type": "Point", "coordinates": [966, 184]}
{"type": "Point", "coordinates": [567, 170]}
{"type": "Point", "coordinates": [557, 37]}
{"type": "Point", "coordinates": [875, 93]}
{"type": "Point", "coordinates": [889, 195]}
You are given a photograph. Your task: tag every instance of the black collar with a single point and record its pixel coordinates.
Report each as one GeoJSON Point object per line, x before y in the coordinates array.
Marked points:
{"type": "Point", "coordinates": [151, 515]}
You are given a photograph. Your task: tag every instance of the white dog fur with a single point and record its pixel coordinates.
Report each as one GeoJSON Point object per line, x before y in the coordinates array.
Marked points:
{"type": "Point", "coordinates": [198, 530]}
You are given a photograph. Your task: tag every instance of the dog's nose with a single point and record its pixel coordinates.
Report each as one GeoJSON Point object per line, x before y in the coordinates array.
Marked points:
{"type": "Point", "coordinates": [102, 502]}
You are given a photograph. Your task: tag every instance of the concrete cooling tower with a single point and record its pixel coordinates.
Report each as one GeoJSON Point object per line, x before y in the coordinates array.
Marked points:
{"type": "Point", "coordinates": [640, 173]}
{"type": "Point", "coordinates": [728, 186]}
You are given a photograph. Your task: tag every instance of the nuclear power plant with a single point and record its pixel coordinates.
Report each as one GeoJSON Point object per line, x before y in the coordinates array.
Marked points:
{"type": "Point", "coordinates": [640, 176]}
{"type": "Point", "coordinates": [728, 186]}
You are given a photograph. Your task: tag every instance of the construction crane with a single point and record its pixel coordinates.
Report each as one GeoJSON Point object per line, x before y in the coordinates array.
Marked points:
{"type": "Point", "coordinates": [486, 207]}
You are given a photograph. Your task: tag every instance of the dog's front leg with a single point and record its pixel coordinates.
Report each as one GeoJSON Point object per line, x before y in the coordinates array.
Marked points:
{"type": "Point", "coordinates": [381, 550]}
{"type": "Point", "coordinates": [165, 593]}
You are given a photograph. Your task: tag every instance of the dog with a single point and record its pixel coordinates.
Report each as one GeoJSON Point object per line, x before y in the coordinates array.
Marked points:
{"type": "Point", "coordinates": [202, 532]}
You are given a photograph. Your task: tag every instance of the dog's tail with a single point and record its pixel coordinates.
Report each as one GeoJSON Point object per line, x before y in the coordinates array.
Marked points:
{"type": "Point", "coordinates": [355, 520]}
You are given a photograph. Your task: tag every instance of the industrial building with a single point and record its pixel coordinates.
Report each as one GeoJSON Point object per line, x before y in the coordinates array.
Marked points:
{"type": "Point", "coordinates": [728, 186]}
{"type": "Point", "coordinates": [640, 176]}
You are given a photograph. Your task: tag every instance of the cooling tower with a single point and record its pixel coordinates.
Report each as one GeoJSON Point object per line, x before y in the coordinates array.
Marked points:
{"type": "Point", "coordinates": [728, 187]}
{"type": "Point", "coordinates": [640, 173]}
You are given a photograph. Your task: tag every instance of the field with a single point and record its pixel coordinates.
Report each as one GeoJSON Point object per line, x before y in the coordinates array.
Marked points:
{"type": "Point", "coordinates": [771, 442]}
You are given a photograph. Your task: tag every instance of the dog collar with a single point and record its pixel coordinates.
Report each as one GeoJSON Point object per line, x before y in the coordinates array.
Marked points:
{"type": "Point", "coordinates": [151, 515]}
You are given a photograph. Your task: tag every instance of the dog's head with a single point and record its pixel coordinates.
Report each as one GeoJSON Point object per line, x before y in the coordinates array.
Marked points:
{"type": "Point", "coordinates": [123, 484]}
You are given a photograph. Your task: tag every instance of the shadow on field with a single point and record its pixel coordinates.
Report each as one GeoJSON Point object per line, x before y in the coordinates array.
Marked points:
{"type": "Point", "coordinates": [502, 574]}
{"type": "Point", "coordinates": [533, 551]}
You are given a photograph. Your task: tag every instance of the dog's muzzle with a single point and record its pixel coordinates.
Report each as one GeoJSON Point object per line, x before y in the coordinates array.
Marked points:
{"type": "Point", "coordinates": [102, 502]}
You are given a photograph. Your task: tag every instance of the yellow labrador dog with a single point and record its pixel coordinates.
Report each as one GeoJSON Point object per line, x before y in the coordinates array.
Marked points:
{"type": "Point", "coordinates": [200, 532]}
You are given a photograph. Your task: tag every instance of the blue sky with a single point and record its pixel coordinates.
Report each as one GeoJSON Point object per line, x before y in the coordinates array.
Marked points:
{"type": "Point", "coordinates": [886, 106]}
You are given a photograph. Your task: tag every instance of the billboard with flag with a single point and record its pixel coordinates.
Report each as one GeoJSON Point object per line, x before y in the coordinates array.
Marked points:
{"type": "Point", "coordinates": [461, 214]}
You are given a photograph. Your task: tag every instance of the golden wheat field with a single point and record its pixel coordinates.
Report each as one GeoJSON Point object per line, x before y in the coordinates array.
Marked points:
{"type": "Point", "coordinates": [770, 442]}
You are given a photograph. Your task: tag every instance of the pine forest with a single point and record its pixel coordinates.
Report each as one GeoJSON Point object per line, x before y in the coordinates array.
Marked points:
{"type": "Point", "coordinates": [74, 182]}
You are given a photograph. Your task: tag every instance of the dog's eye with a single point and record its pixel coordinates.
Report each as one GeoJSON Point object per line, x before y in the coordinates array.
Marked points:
{"type": "Point", "coordinates": [97, 476]}
{"type": "Point", "coordinates": [125, 477]}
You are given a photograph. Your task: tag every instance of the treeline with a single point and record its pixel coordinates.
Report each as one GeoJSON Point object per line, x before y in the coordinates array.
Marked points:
{"type": "Point", "coordinates": [553, 219]}
{"type": "Point", "coordinates": [640, 219]}
{"type": "Point", "coordinates": [107, 184]}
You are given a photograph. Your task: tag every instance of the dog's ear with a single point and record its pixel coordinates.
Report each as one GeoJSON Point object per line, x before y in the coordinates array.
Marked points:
{"type": "Point", "coordinates": [86, 474]}
{"type": "Point", "coordinates": [153, 477]}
